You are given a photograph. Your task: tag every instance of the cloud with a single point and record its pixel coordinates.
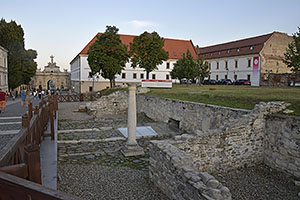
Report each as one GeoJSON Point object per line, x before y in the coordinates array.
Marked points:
{"type": "Point", "coordinates": [138, 24]}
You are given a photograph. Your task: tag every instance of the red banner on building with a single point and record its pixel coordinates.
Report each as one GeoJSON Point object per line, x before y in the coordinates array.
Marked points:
{"type": "Point", "coordinates": [255, 64]}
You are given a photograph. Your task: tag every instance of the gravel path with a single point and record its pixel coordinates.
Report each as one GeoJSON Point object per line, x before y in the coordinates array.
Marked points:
{"type": "Point", "coordinates": [259, 182]}
{"type": "Point", "coordinates": [101, 182]}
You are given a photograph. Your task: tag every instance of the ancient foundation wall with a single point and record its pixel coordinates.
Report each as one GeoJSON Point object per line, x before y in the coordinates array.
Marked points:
{"type": "Point", "coordinates": [191, 116]}
{"type": "Point", "coordinates": [282, 143]}
{"type": "Point", "coordinates": [173, 172]}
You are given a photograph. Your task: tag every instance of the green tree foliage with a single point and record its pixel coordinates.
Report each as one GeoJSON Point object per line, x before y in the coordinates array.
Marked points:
{"type": "Point", "coordinates": [292, 55]}
{"type": "Point", "coordinates": [21, 65]}
{"type": "Point", "coordinates": [147, 51]}
{"type": "Point", "coordinates": [189, 68]}
{"type": "Point", "coordinates": [202, 70]}
{"type": "Point", "coordinates": [108, 55]}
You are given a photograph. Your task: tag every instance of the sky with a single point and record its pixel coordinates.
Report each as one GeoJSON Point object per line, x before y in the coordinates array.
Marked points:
{"type": "Point", "coordinates": [63, 27]}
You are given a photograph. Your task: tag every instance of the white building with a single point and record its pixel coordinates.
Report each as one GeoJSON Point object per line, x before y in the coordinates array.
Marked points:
{"type": "Point", "coordinates": [81, 80]}
{"type": "Point", "coordinates": [250, 58]}
{"type": "Point", "coordinates": [3, 69]}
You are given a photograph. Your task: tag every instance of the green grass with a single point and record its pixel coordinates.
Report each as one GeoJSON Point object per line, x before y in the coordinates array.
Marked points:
{"type": "Point", "coordinates": [232, 96]}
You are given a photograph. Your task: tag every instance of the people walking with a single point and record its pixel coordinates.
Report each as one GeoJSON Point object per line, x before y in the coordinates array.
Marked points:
{"type": "Point", "coordinates": [2, 101]}
{"type": "Point", "coordinates": [27, 98]}
{"type": "Point", "coordinates": [22, 97]}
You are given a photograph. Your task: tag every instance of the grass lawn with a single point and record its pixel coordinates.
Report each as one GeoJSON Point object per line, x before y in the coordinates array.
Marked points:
{"type": "Point", "coordinates": [232, 96]}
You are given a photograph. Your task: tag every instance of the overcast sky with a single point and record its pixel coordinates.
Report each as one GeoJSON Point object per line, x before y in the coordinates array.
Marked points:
{"type": "Point", "coordinates": [64, 27]}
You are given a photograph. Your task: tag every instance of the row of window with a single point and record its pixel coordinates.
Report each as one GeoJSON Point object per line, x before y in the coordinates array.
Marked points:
{"type": "Point", "coordinates": [142, 76]}
{"type": "Point", "coordinates": [235, 77]}
{"type": "Point", "coordinates": [230, 50]}
{"type": "Point", "coordinates": [235, 65]}
{"type": "Point", "coordinates": [4, 81]}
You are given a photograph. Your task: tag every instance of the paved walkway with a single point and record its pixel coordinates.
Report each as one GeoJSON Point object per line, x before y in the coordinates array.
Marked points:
{"type": "Point", "coordinates": [90, 164]}
{"type": "Point", "coordinates": [11, 119]}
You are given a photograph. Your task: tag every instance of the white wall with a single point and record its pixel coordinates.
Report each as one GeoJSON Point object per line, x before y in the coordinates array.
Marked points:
{"type": "Point", "coordinates": [241, 71]}
{"type": "Point", "coordinates": [160, 73]}
{"type": "Point", "coordinates": [75, 70]}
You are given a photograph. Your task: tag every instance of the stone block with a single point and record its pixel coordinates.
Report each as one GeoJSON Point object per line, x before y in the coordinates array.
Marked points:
{"type": "Point", "coordinates": [205, 177]}
{"type": "Point", "coordinates": [213, 183]}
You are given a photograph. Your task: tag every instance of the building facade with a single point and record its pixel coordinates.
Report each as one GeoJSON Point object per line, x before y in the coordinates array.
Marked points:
{"type": "Point", "coordinates": [3, 69]}
{"type": "Point", "coordinates": [51, 78]}
{"type": "Point", "coordinates": [81, 80]}
{"type": "Point", "coordinates": [251, 58]}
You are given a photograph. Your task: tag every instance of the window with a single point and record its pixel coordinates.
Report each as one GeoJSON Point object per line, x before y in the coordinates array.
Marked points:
{"type": "Point", "coordinates": [249, 62]}
{"type": "Point", "coordinates": [251, 47]}
{"type": "Point", "coordinates": [91, 88]}
{"type": "Point", "coordinates": [153, 77]}
{"type": "Point", "coordinates": [217, 65]}
{"type": "Point", "coordinates": [142, 76]}
{"type": "Point", "coordinates": [134, 75]}
{"type": "Point", "coordinates": [248, 77]}
{"type": "Point", "coordinates": [226, 77]}
{"type": "Point", "coordinates": [174, 53]}
{"type": "Point", "coordinates": [238, 49]}
{"type": "Point", "coordinates": [167, 77]}
{"type": "Point", "coordinates": [226, 65]}
{"type": "Point", "coordinates": [217, 77]}
{"type": "Point", "coordinates": [235, 77]}
{"type": "Point", "coordinates": [123, 75]}
{"type": "Point", "coordinates": [228, 51]}
{"type": "Point", "coordinates": [236, 64]}
{"type": "Point", "coordinates": [181, 54]}
{"type": "Point", "coordinates": [90, 75]}
{"type": "Point", "coordinates": [219, 52]}
{"type": "Point", "coordinates": [168, 65]}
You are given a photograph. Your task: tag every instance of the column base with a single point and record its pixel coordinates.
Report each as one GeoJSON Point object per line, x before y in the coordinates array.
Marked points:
{"type": "Point", "coordinates": [135, 150]}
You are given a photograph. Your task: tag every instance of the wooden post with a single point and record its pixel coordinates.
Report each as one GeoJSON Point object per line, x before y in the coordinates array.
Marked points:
{"type": "Point", "coordinates": [25, 124]}
{"type": "Point", "coordinates": [32, 159]}
{"type": "Point", "coordinates": [30, 110]}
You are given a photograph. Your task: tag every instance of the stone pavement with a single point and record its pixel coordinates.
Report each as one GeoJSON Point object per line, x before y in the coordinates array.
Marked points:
{"type": "Point", "coordinates": [82, 153]}
{"type": "Point", "coordinates": [10, 121]}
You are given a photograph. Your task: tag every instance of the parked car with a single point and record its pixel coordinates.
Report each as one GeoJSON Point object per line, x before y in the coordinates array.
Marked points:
{"type": "Point", "coordinates": [225, 82]}
{"type": "Point", "coordinates": [209, 82]}
{"type": "Point", "coordinates": [242, 82]}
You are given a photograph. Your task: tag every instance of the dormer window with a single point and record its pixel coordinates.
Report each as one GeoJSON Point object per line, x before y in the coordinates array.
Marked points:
{"type": "Point", "coordinates": [238, 49]}
{"type": "Point", "coordinates": [228, 51]}
{"type": "Point", "coordinates": [219, 52]}
{"type": "Point", "coordinates": [174, 53]}
{"type": "Point", "coordinates": [251, 47]}
{"type": "Point", "coordinates": [181, 54]}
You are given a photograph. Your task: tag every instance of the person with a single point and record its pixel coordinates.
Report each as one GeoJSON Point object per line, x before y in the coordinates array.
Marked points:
{"type": "Point", "coordinates": [22, 97]}
{"type": "Point", "coordinates": [27, 98]}
{"type": "Point", "coordinates": [2, 100]}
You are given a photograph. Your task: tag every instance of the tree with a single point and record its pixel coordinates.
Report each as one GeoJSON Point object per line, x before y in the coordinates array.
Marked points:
{"type": "Point", "coordinates": [147, 51]}
{"type": "Point", "coordinates": [185, 67]}
{"type": "Point", "coordinates": [108, 55]}
{"type": "Point", "coordinates": [202, 70]}
{"type": "Point", "coordinates": [292, 55]}
{"type": "Point", "coordinates": [21, 65]}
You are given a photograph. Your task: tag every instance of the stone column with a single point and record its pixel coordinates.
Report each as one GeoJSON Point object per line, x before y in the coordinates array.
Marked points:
{"type": "Point", "coordinates": [132, 148]}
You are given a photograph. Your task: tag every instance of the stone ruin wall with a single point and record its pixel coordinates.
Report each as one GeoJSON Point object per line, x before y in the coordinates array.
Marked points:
{"type": "Point", "coordinates": [230, 138]}
{"type": "Point", "coordinates": [282, 143]}
{"type": "Point", "coordinates": [172, 170]}
{"type": "Point", "coordinates": [192, 117]}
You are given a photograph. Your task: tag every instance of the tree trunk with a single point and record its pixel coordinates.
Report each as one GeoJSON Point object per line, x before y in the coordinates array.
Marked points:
{"type": "Point", "coordinates": [147, 75]}
{"type": "Point", "coordinates": [114, 82]}
{"type": "Point", "coordinates": [111, 83]}
{"type": "Point", "coordinates": [93, 84]}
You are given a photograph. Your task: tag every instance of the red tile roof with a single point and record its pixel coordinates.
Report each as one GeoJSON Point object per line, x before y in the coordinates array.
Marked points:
{"type": "Point", "coordinates": [171, 45]}
{"type": "Point", "coordinates": [246, 46]}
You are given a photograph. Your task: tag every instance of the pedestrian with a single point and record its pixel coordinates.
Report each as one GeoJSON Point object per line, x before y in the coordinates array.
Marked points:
{"type": "Point", "coordinates": [22, 97]}
{"type": "Point", "coordinates": [27, 98]}
{"type": "Point", "coordinates": [2, 100]}
{"type": "Point", "coordinates": [40, 94]}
